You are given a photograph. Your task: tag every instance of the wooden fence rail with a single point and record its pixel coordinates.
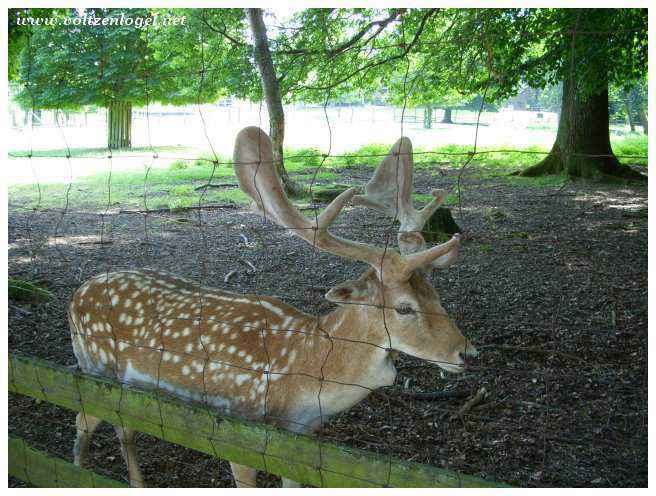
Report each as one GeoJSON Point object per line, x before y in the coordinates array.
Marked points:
{"type": "Point", "coordinates": [263, 447]}
{"type": "Point", "coordinates": [42, 470]}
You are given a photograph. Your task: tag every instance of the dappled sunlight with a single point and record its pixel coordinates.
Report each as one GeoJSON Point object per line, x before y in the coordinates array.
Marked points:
{"type": "Point", "coordinates": [619, 199]}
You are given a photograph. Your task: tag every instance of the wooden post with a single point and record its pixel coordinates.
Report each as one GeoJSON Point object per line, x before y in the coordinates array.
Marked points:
{"type": "Point", "coordinates": [294, 456]}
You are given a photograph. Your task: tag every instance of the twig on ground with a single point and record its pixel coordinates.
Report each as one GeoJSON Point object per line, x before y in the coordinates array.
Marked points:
{"type": "Point", "coordinates": [220, 185]}
{"type": "Point", "coordinates": [532, 404]}
{"type": "Point", "coordinates": [480, 395]}
{"type": "Point", "coordinates": [246, 262]}
{"type": "Point", "coordinates": [103, 242]}
{"type": "Point", "coordinates": [181, 209]}
{"type": "Point", "coordinates": [227, 277]}
{"type": "Point", "coordinates": [435, 395]}
{"type": "Point", "coordinates": [20, 310]}
{"type": "Point", "coordinates": [534, 350]}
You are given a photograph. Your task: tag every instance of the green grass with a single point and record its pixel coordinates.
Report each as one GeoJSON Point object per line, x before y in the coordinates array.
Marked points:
{"type": "Point", "coordinates": [94, 152]}
{"type": "Point", "coordinates": [20, 290]}
{"type": "Point", "coordinates": [633, 145]}
{"type": "Point", "coordinates": [175, 187]}
{"type": "Point", "coordinates": [300, 159]}
{"type": "Point", "coordinates": [446, 156]}
{"type": "Point", "coordinates": [540, 182]}
{"type": "Point", "coordinates": [164, 188]}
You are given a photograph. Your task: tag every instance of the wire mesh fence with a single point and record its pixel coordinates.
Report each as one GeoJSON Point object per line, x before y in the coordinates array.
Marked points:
{"type": "Point", "coordinates": [556, 397]}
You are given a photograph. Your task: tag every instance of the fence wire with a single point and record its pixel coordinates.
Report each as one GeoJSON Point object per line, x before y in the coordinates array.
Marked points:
{"type": "Point", "coordinates": [207, 260]}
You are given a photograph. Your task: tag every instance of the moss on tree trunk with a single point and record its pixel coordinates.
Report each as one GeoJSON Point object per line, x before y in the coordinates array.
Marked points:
{"type": "Point", "coordinates": [582, 148]}
{"type": "Point", "coordinates": [440, 227]}
{"type": "Point", "coordinates": [428, 117]}
{"type": "Point", "coordinates": [642, 117]}
{"type": "Point", "coordinates": [628, 110]}
{"type": "Point", "coordinates": [326, 194]}
{"type": "Point", "coordinates": [119, 125]}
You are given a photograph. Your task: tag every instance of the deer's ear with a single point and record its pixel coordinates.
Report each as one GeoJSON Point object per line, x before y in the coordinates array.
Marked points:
{"type": "Point", "coordinates": [349, 292]}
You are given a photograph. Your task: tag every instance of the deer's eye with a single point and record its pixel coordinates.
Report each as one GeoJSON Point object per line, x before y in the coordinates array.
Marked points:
{"type": "Point", "coordinates": [405, 310]}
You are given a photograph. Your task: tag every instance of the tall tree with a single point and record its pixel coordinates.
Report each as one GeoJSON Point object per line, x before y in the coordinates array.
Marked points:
{"type": "Point", "coordinates": [74, 62]}
{"type": "Point", "coordinates": [596, 47]}
{"type": "Point", "coordinates": [497, 51]}
{"type": "Point", "coordinates": [636, 103]}
{"type": "Point", "coordinates": [271, 90]}
{"type": "Point", "coordinates": [317, 55]}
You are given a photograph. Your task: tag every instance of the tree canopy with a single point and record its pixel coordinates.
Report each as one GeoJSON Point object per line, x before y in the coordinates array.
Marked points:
{"type": "Point", "coordinates": [71, 63]}
{"type": "Point", "coordinates": [415, 56]}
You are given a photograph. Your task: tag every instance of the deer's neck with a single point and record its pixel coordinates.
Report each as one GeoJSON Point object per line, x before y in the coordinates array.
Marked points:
{"type": "Point", "coordinates": [358, 347]}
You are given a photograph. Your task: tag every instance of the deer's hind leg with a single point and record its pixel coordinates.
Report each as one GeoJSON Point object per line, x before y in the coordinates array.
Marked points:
{"type": "Point", "coordinates": [129, 451]}
{"type": "Point", "coordinates": [85, 425]}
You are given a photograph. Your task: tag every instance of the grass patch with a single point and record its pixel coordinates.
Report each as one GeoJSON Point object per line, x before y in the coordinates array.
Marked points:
{"type": "Point", "coordinates": [371, 154]}
{"type": "Point", "coordinates": [175, 187]}
{"type": "Point", "coordinates": [453, 156]}
{"type": "Point", "coordinates": [553, 181]}
{"type": "Point", "coordinates": [633, 145]}
{"type": "Point", "coordinates": [310, 178]}
{"type": "Point", "coordinates": [93, 152]}
{"type": "Point", "coordinates": [302, 158]}
{"type": "Point", "coordinates": [204, 161]}
{"type": "Point", "coordinates": [20, 290]}
{"type": "Point", "coordinates": [161, 188]}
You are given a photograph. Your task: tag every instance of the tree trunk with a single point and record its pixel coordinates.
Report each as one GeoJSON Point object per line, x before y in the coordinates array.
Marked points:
{"type": "Point", "coordinates": [271, 89]}
{"type": "Point", "coordinates": [627, 109]}
{"type": "Point", "coordinates": [440, 227]}
{"type": "Point", "coordinates": [642, 117]}
{"type": "Point", "coordinates": [582, 147]}
{"type": "Point", "coordinates": [447, 116]}
{"type": "Point", "coordinates": [119, 125]}
{"type": "Point", "coordinates": [428, 117]}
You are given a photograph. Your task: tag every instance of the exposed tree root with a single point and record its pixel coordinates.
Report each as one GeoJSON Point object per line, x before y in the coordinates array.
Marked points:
{"type": "Point", "coordinates": [601, 169]}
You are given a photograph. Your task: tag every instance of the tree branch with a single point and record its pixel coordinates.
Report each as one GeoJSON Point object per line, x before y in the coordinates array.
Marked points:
{"type": "Point", "coordinates": [349, 43]}
{"type": "Point", "coordinates": [223, 33]}
{"type": "Point", "coordinates": [370, 65]}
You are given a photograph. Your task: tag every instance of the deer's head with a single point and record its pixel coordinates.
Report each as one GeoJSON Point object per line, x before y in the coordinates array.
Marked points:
{"type": "Point", "coordinates": [394, 295]}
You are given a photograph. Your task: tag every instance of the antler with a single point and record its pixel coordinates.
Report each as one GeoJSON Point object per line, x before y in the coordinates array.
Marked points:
{"type": "Point", "coordinates": [390, 190]}
{"type": "Point", "coordinates": [253, 163]}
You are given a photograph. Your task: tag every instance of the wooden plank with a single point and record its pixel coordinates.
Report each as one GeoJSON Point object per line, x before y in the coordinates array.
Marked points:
{"type": "Point", "coordinates": [39, 469]}
{"type": "Point", "coordinates": [261, 446]}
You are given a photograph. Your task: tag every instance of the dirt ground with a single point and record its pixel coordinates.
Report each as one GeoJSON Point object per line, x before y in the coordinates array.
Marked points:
{"type": "Point", "coordinates": [551, 286]}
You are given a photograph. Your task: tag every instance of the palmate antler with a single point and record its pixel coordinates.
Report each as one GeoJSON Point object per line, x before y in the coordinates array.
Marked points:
{"type": "Point", "coordinates": [390, 191]}
{"type": "Point", "coordinates": [253, 163]}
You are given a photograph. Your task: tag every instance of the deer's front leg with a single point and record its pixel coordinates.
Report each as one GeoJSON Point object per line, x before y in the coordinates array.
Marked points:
{"type": "Point", "coordinates": [85, 425]}
{"type": "Point", "coordinates": [244, 476]}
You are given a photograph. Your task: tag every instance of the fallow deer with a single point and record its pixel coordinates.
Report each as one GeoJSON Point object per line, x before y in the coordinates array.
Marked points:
{"type": "Point", "coordinates": [254, 355]}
